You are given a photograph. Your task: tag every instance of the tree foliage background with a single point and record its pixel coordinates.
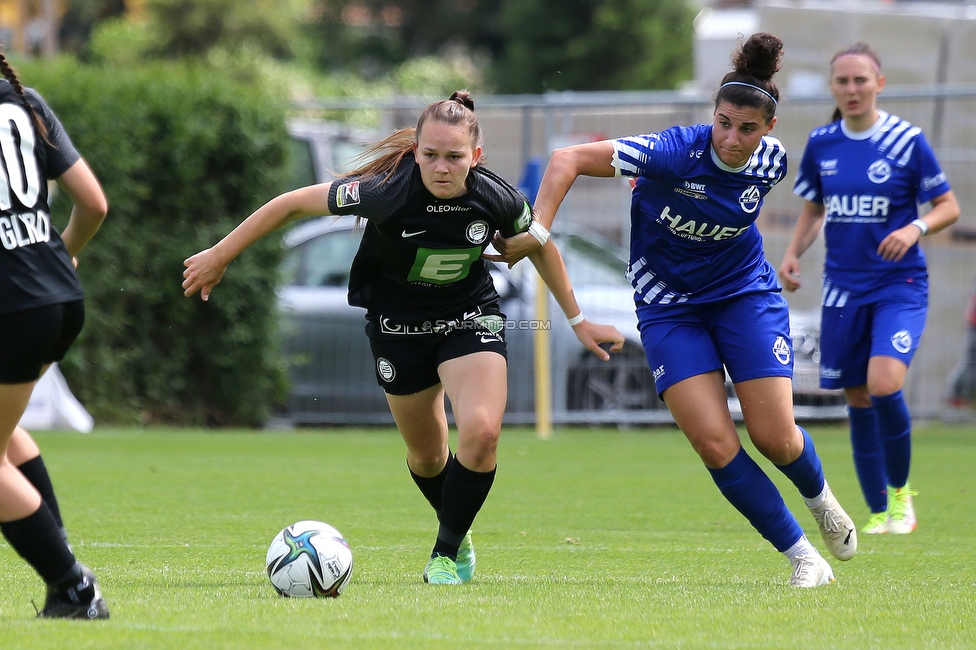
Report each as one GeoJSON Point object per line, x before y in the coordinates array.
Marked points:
{"type": "Point", "coordinates": [387, 46]}
{"type": "Point", "coordinates": [183, 158]}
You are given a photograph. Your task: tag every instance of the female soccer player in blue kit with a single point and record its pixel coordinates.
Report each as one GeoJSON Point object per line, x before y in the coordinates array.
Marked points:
{"type": "Point", "coordinates": [862, 177]}
{"type": "Point", "coordinates": [706, 297]}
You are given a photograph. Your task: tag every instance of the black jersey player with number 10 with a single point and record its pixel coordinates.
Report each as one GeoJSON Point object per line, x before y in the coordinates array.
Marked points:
{"type": "Point", "coordinates": [432, 313]}
{"type": "Point", "coordinates": [42, 310]}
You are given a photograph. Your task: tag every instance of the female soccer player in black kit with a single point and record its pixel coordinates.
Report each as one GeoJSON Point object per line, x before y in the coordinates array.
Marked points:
{"type": "Point", "coordinates": [432, 313]}
{"type": "Point", "coordinates": [41, 312]}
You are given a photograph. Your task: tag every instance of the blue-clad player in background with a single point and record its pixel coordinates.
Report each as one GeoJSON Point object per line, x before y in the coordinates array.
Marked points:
{"type": "Point", "coordinates": [862, 178]}
{"type": "Point", "coordinates": [706, 298]}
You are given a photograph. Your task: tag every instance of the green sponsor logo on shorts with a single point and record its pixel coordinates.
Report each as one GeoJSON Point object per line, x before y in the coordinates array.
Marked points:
{"type": "Point", "coordinates": [443, 265]}
{"type": "Point", "coordinates": [492, 322]}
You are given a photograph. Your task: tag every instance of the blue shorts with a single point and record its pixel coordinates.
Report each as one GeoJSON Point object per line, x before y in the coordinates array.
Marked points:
{"type": "Point", "coordinates": [891, 326]}
{"type": "Point", "coordinates": [749, 335]}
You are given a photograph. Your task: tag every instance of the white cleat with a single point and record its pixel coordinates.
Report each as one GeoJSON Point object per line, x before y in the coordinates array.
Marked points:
{"type": "Point", "coordinates": [810, 571]}
{"type": "Point", "coordinates": [836, 527]}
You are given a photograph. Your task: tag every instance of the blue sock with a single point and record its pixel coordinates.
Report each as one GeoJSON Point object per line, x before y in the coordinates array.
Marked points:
{"type": "Point", "coordinates": [806, 472]}
{"type": "Point", "coordinates": [869, 457]}
{"type": "Point", "coordinates": [895, 427]}
{"type": "Point", "coordinates": [748, 488]}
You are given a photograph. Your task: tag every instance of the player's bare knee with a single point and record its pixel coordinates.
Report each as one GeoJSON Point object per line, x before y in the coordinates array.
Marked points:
{"type": "Point", "coordinates": [426, 462]}
{"type": "Point", "coordinates": [884, 386]}
{"type": "Point", "coordinates": [780, 451]}
{"type": "Point", "coordinates": [715, 452]}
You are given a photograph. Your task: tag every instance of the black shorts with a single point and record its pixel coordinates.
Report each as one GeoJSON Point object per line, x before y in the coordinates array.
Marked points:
{"type": "Point", "coordinates": [406, 357]}
{"type": "Point", "coordinates": [34, 338]}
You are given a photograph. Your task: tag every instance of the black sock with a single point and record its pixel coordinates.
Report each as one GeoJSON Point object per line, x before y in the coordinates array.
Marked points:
{"type": "Point", "coordinates": [36, 538]}
{"type": "Point", "coordinates": [465, 492]}
{"type": "Point", "coordinates": [35, 471]}
{"type": "Point", "coordinates": [433, 487]}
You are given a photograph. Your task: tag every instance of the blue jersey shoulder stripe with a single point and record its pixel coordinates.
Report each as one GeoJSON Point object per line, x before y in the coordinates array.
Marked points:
{"type": "Point", "coordinates": [889, 123]}
{"type": "Point", "coordinates": [906, 140]}
{"type": "Point", "coordinates": [893, 135]}
{"type": "Point", "coordinates": [631, 154]}
{"type": "Point", "coordinates": [767, 160]}
{"type": "Point", "coordinates": [908, 155]}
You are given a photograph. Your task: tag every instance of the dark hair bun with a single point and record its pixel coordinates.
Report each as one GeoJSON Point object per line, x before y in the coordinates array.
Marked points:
{"type": "Point", "coordinates": [759, 56]}
{"type": "Point", "coordinates": [463, 97]}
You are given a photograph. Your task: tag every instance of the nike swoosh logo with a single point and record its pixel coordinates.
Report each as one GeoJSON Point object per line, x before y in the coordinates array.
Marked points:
{"type": "Point", "coordinates": [847, 540]}
{"type": "Point", "coordinates": [490, 339]}
{"type": "Point", "coordinates": [406, 234]}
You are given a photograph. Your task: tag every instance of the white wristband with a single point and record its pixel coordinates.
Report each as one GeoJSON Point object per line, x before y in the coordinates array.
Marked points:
{"type": "Point", "coordinates": [575, 320]}
{"type": "Point", "coordinates": [921, 225]}
{"type": "Point", "coordinates": [539, 231]}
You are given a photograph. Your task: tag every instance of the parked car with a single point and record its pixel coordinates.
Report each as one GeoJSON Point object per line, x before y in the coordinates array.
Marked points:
{"type": "Point", "coordinates": [320, 149]}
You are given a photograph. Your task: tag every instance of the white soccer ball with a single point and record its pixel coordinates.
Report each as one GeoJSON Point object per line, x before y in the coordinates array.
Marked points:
{"type": "Point", "coordinates": [309, 559]}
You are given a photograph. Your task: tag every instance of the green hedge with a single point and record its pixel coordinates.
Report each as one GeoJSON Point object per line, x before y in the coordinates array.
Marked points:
{"type": "Point", "coordinates": [183, 156]}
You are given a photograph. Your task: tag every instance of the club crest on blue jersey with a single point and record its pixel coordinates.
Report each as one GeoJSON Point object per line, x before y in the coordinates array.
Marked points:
{"type": "Point", "coordinates": [879, 171]}
{"type": "Point", "coordinates": [750, 199]}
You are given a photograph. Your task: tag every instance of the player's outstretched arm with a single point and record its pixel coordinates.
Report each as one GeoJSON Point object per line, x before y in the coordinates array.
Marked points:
{"type": "Point", "coordinates": [512, 249]}
{"type": "Point", "coordinates": [549, 263]}
{"type": "Point", "coordinates": [205, 269]}
{"type": "Point", "coordinates": [565, 166]}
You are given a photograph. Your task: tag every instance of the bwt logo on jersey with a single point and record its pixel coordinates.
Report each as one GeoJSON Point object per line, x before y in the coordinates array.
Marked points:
{"type": "Point", "coordinates": [347, 194]}
{"type": "Point", "coordinates": [690, 229]}
{"type": "Point", "coordinates": [856, 206]}
{"type": "Point", "coordinates": [879, 171]}
{"type": "Point", "coordinates": [750, 199]}
{"type": "Point", "coordinates": [694, 190]}
{"type": "Point", "coordinates": [24, 229]}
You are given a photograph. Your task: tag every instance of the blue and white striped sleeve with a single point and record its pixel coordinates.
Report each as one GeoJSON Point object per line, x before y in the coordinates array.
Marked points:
{"type": "Point", "coordinates": [807, 185]}
{"type": "Point", "coordinates": [632, 154]}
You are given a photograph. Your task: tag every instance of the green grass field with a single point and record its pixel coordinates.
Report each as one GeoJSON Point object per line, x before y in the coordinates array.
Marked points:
{"type": "Point", "coordinates": [596, 538]}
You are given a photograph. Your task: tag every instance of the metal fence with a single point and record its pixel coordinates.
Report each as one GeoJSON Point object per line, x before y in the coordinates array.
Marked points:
{"type": "Point", "coordinates": [522, 128]}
